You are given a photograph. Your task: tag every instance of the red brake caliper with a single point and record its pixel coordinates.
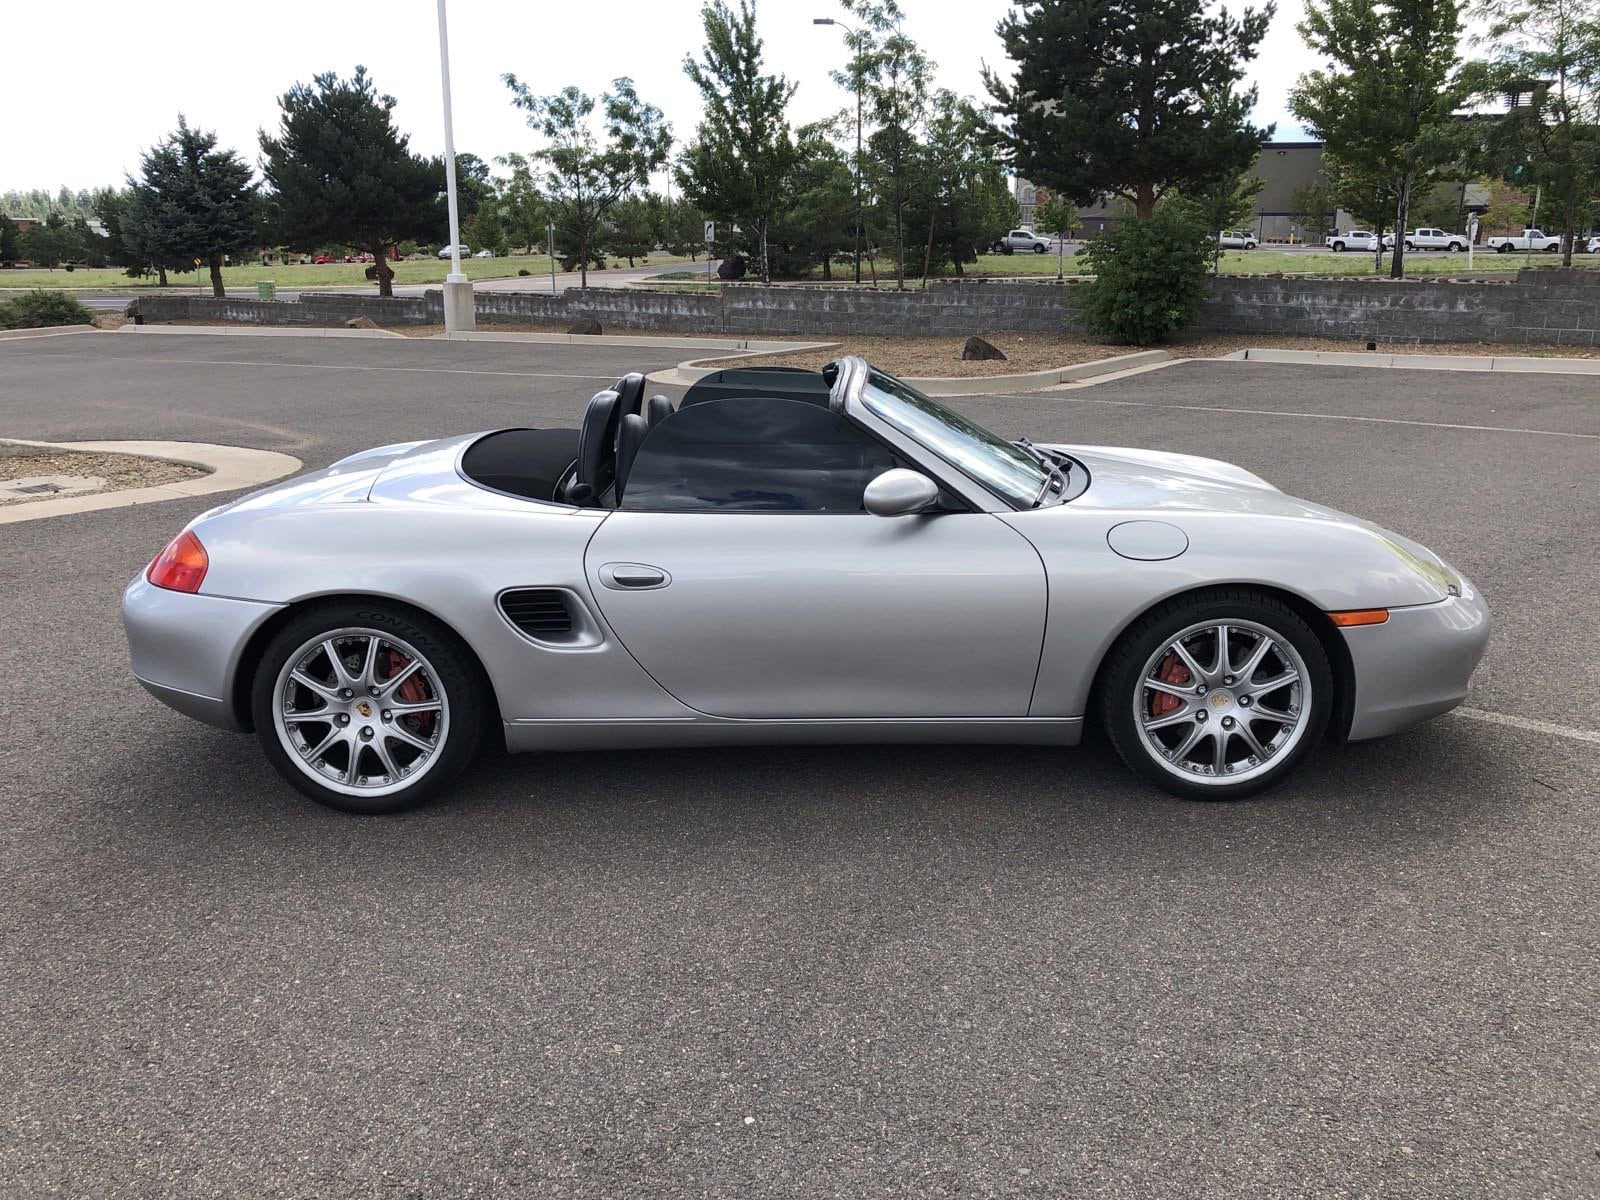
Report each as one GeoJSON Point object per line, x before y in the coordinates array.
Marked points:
{"type": "Point", "coordinates": [1174, 672]}
{"type": "Point", "coordinates": [411, 691]}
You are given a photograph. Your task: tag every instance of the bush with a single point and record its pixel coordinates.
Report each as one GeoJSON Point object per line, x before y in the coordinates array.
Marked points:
{"type": "Point", "coordinates": [524, 271]}
{"type": "Point", "coordinates": [1149, 278]}
{"type": "Point", "coordinates": [38, 309]}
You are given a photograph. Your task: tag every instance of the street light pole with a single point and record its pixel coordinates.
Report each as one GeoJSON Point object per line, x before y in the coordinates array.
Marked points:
{"type": "Point", "coordinates": [458, 306]}
{"type": "Point", "coordinates": [856, 61]}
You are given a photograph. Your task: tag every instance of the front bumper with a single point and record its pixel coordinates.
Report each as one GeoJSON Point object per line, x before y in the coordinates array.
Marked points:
{"type": "Point", "coordinates": [186, 648]}
{"type": "Point", "coordinates": [1417, 664]}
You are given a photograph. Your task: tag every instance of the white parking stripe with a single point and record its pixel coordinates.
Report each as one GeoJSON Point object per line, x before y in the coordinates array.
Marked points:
{"type": "Point", "coordinates": [1274, 412]}
{"type": "Point", "coordinates": [1528, 723]}
{"type": "Point", "coordinates": [282, 366]}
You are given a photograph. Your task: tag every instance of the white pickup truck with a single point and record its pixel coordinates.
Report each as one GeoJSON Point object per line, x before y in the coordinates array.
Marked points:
{"type": "Point", "coordinates": [1430, 239]}
{"type": "Point", "coordinates": [1019, 239]}
{"type": "Point", "coordinates": [1352, 239]}
{"type": "Point", "coordinates": [1528, 239]}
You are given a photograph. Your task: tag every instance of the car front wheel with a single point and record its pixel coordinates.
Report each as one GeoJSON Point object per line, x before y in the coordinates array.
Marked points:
{"type": "Point", "coordinates": [1217, 695]}
{"type": "Point", "coordinates": [368, 708]}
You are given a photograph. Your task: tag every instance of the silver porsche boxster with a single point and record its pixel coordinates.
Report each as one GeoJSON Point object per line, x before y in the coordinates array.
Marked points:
{"type": "Point", "coordinates": [791, 556]}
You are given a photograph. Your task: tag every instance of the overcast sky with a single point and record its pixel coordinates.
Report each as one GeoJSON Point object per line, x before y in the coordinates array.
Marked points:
{"type": "Point", "coordinates": [85, 86]}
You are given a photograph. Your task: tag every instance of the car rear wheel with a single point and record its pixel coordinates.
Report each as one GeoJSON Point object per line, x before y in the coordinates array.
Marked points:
{"type": "Point", "coordinates": [1338, 247]}
{"type": "Point", "coordinates": [1217, 695]}
{"type": "Point", "coordinates": [367, 708]}
{"type": "Point", "coordinates": [1503, 248]}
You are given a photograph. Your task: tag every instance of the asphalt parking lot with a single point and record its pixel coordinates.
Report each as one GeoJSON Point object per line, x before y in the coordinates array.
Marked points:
{"type": "Point", "coordinates": [857, 972]}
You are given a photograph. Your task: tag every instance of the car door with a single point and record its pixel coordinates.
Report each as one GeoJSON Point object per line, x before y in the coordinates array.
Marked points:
{"type": "Point", "coordinates": [743, 574]}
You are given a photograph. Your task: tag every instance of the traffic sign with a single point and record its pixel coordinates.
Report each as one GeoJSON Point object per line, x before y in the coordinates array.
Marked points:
{"type": "Point", "coordinates": [711, 232]}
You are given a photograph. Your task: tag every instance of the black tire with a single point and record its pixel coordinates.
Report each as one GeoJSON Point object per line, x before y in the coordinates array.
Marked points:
{"type": "Point", "coordinates": [1338, 247]}
{"type": "Point", "coordinates": [1121, 688]}
{"type": "Point", "coordinates": [1457, 248]}
{"type": "Point", "coordinates": [454, 670]}
{"type": "Point", "coordinates": [1503, 248]}
{"type": "Point", "coordinates": [1040, 249]}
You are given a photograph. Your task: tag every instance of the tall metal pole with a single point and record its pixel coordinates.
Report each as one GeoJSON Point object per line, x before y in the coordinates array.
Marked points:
{"type": "Point", "coordinates": [458, 308]}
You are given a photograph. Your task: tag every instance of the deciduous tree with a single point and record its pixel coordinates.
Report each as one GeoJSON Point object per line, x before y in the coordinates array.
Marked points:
{"type": "Point", "coordinates": [736, 168]}
{"type": "Point", "coordinates": [1546, 55]}
{"type": "Point", "coordinates": [895, 77]}
{"type": "Point", "coordinates": [1129, 98]}
{"type": "Point", "coordinates": [342, 173]}
{"type": "Point", "coordinates": [585, 176]}
{"type": "Point", "coordinates": [1386, 102]}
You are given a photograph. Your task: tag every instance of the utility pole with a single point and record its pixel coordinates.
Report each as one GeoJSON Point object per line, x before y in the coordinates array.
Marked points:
{"type": "Point", "coordinates": [458, 306]}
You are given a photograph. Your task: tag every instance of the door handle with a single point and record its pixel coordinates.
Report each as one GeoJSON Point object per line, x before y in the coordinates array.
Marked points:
{"type": "Point", "coordinates": [633, 577]}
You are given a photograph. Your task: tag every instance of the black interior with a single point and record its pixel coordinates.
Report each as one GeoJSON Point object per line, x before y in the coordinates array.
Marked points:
{"type": "Point", "coordinates": [590, 465]}
{"type": "Point", "coordinates": [524, 462]}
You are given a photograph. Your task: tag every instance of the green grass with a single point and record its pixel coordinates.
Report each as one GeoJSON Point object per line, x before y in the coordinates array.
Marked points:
{"type": "Point", "coordinates": [297, 276]}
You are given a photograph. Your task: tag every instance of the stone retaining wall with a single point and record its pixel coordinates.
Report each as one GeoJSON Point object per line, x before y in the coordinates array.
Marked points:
{"type": "Point", "coordinates": [1542, 305]}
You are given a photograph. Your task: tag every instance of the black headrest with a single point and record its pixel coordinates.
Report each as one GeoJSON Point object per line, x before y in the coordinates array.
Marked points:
{"type": "Point", "coordinates": [596, 441]}
{"type": "Point", "coordinates": [656, 410]}
{"type": "Point", "coordinates": [630, 435]}
{"type": "Point", "coordinates": [630, 393]}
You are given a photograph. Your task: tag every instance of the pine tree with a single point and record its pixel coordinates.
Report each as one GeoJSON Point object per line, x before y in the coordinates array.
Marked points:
{"type": "Point", "coordinates": [342, 174]}
{"type": "Point", "coordinates": [193, 201]}
{"type": "Point", "coordinates": [1128, 98]}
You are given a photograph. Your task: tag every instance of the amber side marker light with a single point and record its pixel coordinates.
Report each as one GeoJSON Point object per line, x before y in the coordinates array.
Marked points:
{"type": "Point", "coordinates": [1359, 616]}
{"type": "Point", "coordinates": [181, 567]}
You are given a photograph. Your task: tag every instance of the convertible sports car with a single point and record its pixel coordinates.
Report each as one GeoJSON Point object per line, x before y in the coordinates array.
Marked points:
{"type": "Point", "coordinates": [791, 556]}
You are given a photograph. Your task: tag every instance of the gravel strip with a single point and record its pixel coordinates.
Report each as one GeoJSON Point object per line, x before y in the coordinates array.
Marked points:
{"type": "Point", "coordinates": [120, 471]}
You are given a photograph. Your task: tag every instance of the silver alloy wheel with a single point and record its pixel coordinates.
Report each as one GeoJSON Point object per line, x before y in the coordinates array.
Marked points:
{"type": "Point", "coordinates": [360, 712]}
{"type": "Point", "coordinates": [1222, 702]}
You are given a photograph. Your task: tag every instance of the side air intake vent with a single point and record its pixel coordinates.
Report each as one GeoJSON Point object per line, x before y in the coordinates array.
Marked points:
{"type": "Point", "coordinates": [538, 612]}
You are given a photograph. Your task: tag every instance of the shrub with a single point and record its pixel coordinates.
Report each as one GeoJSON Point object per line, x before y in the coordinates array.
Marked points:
{"type": "Point", "coordinates": [1149, 278]}
{"type": "Point", "coordinates": [39, 308]}
{"type": "Point", "coordinates": [524, 271]}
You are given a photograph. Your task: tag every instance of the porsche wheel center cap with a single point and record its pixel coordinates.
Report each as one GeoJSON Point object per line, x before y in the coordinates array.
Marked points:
{"type": "Point", "coordinates": [1220, 700]}
{"type": "Point", "coordinates": [364, 708]}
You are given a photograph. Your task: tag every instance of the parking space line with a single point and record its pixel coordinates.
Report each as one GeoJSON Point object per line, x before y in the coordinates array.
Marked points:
{"type": "Point", "coordinates": [237, 362]}
{"type": "Point", "coordinates": [1274, 412]}
{"type": "Point", "coordinates": [1530, 724]}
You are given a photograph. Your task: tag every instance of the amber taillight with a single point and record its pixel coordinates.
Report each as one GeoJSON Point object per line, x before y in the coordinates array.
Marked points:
{"type": "Point", "coordinates": [181, 567]}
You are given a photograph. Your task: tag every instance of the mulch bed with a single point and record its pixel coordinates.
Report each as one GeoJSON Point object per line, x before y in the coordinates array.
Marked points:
{"type": "Point", "coordinates": [120, 471]}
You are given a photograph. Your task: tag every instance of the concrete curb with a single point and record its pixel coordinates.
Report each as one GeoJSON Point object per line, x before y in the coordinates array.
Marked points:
{"type": "Point", "coordinates": [17, 335]}
{"type": "Point", "coordinates": [1425, 362]}
{"type": "Point", "coordinates": [686, 373]}
{"type": "Point", "coordinates": [265, 331]}
{"type": "Point", "coordinates": [231, 467]}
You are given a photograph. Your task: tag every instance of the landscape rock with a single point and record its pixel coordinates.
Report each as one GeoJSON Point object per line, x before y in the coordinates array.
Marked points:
{"type": "Point", "coordinates": [361, 323]}
{"type": "Point", "coordinates": [588, 325]}
{"type": "Point", "coordinates": [978, 349]}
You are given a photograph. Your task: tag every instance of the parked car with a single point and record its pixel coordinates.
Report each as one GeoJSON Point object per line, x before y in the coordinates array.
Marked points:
{"type": "Point", "coordinates": [466, 251]}
{"type": "Point", "coordinates": [1237, 240]}
{"type": "Point", "coordinates": [484, 254]}
{"type": "Point", "coordinates": [320, 259]}
{"type": "Point", "coordinates": [1528, 239]}
{"type": "Point", "coordinates": [1352, 239]}
{"type": "Point", "coordinates": [899, 577]}
{"type": "Point", "coordinates": [1429, 239]}
{"type": "Point", "coordinates": [1020, 239]}
{"type": "Point", "coordinates": [1593, 246]}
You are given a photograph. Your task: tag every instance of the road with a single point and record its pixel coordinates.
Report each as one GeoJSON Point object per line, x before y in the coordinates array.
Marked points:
{"type": "Point", "coordinates": [884, 972]}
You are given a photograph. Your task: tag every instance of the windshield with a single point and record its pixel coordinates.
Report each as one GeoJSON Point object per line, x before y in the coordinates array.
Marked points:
{"type": "Point", "coordinates": [1001, 466]}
